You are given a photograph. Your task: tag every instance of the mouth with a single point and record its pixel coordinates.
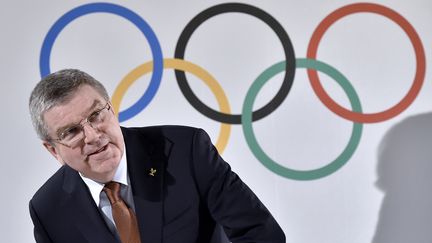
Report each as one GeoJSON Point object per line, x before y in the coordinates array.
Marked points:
{"type": "Point", "coordinates": [102, 149]}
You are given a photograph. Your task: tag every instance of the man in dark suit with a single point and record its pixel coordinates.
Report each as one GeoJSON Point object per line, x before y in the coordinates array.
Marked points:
{"type": "Point", "coordinates": [171, 178]}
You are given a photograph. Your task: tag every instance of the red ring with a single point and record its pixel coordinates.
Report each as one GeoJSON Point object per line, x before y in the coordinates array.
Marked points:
{"type": "Point", "coordinates": [420, 60]}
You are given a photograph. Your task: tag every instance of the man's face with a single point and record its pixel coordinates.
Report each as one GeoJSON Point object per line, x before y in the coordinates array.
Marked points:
{"type": "Point", "coordinates": [98, 154]}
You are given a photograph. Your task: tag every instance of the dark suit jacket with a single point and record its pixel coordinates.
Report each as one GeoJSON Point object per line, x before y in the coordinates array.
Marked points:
{"type": "Point", "coordinates": [192, 192]}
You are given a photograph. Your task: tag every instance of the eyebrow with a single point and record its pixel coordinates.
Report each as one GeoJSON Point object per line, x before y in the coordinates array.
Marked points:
{"type": "Point", "coordinates": [90, 109]}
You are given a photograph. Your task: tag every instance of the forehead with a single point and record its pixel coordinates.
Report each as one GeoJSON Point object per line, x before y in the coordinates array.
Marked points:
{"type": "Point", "coordinates": [74, 109]}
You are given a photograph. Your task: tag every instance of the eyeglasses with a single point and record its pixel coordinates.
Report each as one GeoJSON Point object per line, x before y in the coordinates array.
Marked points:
{"type": "Point", "coordinates": [71, 136]}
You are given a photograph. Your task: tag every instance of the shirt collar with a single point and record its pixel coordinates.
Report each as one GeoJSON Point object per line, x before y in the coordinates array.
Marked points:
{"type": "Point", "coordinates": [120, 176]}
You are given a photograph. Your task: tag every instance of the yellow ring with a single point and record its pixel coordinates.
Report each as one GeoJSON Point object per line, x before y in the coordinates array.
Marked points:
{"type": "Point", "coordinates": [186, 66]}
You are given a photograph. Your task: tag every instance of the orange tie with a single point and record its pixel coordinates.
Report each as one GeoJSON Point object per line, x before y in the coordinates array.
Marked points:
{"type": "Point", "coordinates": [124, 217]}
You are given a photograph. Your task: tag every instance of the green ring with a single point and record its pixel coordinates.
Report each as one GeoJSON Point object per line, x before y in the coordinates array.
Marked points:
{"type": "Point", "coordinates": [251, 140]}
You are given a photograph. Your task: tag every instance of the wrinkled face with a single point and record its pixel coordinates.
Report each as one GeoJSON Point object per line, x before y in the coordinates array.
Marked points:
{"type": "Point", "coordinates": [98, 154]}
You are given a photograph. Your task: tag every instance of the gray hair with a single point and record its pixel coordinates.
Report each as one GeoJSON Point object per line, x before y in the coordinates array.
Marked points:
{"type": "Point", "coordinates": [55, 89]}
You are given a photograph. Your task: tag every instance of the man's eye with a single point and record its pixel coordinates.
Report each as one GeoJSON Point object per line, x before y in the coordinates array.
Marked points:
{"type": "Point", "coordinates": [95, 117]}
{"type": "Point", "coordinates": [70, 133]}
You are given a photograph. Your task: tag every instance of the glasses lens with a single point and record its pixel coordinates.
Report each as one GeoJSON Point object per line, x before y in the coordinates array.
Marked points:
{"type": "Point", "coordinates": [98, 117]}
{"type": "Point", "coordinates": [72, 134]}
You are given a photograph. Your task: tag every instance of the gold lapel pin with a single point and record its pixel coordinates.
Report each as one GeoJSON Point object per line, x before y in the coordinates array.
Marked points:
{"type": "Point", "coordinates": [152, 172]}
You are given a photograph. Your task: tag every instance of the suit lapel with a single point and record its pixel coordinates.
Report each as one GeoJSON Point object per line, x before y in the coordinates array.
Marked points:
{"type": "Point", "coordinates": [146, 158]}
{"type": "Point", "coordinates": [83, 210]}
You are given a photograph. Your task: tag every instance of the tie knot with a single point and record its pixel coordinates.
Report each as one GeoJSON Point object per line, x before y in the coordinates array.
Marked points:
{"type": "Point", "coordinates": [112, 190]}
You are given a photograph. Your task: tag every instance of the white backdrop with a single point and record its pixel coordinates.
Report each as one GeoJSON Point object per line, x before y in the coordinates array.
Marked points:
{"type": "Point", "coordinates": [382, 193]}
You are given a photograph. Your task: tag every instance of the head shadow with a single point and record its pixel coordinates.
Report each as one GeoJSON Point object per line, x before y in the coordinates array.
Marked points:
{"type": "Point", "coordinates": [405, 176]}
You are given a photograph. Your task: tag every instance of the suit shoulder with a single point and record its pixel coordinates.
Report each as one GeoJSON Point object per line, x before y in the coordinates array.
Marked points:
{"type": "Point", "coordinates": [150, 129]}
{"type": "Point", "coordinates": [169, 131]}
{"type": "Point", "coordinates": [50, 188]}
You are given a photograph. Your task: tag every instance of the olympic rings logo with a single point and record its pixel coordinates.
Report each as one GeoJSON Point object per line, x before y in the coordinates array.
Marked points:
{"type": "Point", "coordinates": [288, 66]}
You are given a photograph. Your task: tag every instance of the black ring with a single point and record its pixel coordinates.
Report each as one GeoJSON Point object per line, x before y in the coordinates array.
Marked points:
{"type": "Point", "coordinates": [266, 18]}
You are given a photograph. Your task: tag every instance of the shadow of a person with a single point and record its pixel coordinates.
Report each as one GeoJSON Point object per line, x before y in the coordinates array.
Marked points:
{"type": "Point", "coordinates": [405, 176]}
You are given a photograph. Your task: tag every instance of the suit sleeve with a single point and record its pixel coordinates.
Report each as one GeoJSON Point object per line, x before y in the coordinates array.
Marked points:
{"type": "Point", "coordinates": [40, 234]}
{"type": "Point", "coordinates": [230, 202]}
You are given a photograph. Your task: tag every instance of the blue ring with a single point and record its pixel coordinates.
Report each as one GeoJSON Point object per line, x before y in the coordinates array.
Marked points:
{"type": "Point", "coordinates": [144, 100]}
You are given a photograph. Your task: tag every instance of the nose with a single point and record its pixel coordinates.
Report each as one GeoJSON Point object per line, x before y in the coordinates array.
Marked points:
{"type": "Point", "coordinates": [90, 133]}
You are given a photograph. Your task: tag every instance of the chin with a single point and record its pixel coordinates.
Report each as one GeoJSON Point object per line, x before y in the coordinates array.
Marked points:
{"type": "Point", "coordinates": [108, 166]}
{"type": "Point", "coordinates": [111, 164]}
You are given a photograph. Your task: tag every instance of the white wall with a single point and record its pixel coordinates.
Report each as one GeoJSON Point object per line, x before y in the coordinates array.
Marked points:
{"type": "Point", "coordinates": [380, 195]}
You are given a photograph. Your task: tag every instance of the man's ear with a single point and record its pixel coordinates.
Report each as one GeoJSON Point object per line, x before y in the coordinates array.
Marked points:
{"type": "Point", "coordinates": [53, 150]}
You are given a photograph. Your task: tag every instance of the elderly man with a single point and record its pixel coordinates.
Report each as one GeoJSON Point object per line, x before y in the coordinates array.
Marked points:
{"type": "Point", "coordinates": [151, 184]}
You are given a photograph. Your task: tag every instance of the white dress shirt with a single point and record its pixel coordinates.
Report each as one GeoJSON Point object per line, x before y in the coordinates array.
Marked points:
{"type": "Point", "coordinates": [100, 197]}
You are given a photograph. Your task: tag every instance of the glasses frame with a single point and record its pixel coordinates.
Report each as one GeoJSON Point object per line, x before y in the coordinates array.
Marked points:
{"type": "Point", "coordinates": [81, 125]}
